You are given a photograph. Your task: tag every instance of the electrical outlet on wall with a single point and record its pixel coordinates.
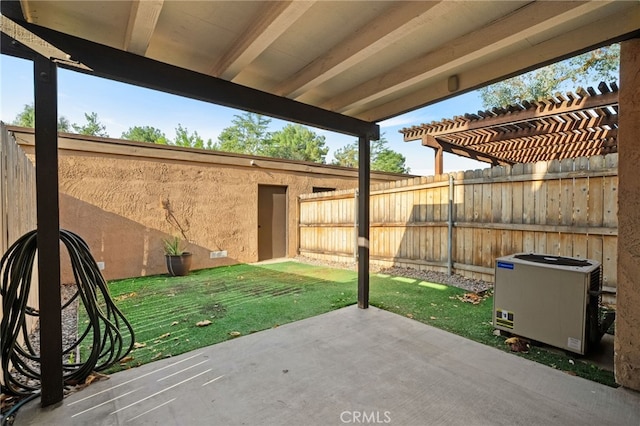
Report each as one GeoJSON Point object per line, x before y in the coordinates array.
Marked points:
{"type": "Point", "coordinates": [100, 265]}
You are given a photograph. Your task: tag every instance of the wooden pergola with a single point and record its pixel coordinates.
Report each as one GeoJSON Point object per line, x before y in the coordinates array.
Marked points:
{"type": "Point", "coordinates": [579, 124]}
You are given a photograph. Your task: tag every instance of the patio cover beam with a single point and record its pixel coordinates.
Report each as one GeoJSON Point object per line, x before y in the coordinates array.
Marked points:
{"type": "Point", "coordinates": [118, 65]}
{"type": "Point", "coordinates": [13, 48]}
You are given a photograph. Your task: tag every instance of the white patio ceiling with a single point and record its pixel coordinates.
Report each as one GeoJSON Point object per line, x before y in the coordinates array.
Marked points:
{"type": "Point", "coordinates": [369, 60]}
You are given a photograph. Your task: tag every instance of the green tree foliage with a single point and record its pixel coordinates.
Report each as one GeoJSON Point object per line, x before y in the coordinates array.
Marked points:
{"type": "Point", "coordinates": [93, 126]}
{"type": "Point", "coordinates": [190, 140]}
{"type": "Point", "coordinates": [598, 65]}
{"type": "Point", "coordinates": [388, 160]}
{"type": "Point", "coordinates": [383, 158]}
{"type": "Point", "coordinates": [247, 135]}
{"type": "Point", "coordinates": [347, 156]}
{"type": "Point", "coordinates": [63, 124]}
{"type": "Point", "coordinates": [295, 142]}
{"type": "Point", "coordinates": [145, 134]}
{"type": "Point", "coordinates": [27, 118]}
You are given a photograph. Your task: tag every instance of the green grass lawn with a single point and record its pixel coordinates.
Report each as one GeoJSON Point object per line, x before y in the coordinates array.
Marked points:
{"type": "Point", "coordinates": [243, 299]}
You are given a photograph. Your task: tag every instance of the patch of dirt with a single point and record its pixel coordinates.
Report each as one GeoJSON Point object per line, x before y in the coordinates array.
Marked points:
{"type": "Point", "coordinates": [213, 309]}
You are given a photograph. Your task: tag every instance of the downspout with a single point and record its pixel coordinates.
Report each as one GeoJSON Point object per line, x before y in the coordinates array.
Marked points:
{"type": "Point", "coordinates": [450, 223]}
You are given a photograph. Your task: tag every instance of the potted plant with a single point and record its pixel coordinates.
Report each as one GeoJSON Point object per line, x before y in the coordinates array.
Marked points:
{"type": "Point", "coordinates": [178, 260]}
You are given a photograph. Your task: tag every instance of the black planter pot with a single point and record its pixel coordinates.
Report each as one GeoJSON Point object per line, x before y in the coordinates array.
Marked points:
{"type": "Point", "coordinates": [178, 266]}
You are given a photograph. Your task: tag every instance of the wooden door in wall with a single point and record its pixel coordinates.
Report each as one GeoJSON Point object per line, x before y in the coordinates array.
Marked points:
{"type": "Point", "coordinates": [272, 222]}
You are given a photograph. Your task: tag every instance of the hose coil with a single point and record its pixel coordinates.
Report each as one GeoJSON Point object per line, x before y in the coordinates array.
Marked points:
{"type": "Point", "coordinates": [108, 335]}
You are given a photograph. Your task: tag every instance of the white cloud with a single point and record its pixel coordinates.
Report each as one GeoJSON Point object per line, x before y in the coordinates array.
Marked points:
{"type": "Point", "coordinates": [404, 120]}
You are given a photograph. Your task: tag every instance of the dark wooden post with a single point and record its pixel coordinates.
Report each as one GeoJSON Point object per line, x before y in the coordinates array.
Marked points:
{"type": "Point", "coordinates": [364, 179]}
{"type": "Point", "coordinates": [46, 121]}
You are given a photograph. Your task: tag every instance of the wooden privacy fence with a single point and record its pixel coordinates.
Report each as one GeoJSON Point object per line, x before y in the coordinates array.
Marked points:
{"type": "Point", "coordinates": [566, 208]}
{"type": "Point", "coordinates": [17, 191]}
{"type": "Point", "coordinates": [17, 202]}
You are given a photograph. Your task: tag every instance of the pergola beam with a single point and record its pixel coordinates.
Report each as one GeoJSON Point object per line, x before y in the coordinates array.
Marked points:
{"type": "Point", "coordinates": [566, 139]}
{"type": "Point", "coordinates": [536, 113]}
{"type": "Point", "coordinates": [566, 124]}
{"type": "Point", "coordinates": [584, 123]}
{"type": "Point", "coordinates": [442, 145]}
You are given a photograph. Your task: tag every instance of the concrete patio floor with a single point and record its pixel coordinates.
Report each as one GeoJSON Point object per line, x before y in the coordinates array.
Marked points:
{"type": "Point", "coordinates": [349, 366]}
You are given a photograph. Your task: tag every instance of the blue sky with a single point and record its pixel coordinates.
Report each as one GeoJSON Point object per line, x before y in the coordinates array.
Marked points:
{"type": "Point", "coordinates": [120, 106]}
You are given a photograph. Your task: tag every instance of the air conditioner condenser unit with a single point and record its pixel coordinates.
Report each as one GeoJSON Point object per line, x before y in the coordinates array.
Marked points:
{"type": "Point", "coordinates": [550, 299]}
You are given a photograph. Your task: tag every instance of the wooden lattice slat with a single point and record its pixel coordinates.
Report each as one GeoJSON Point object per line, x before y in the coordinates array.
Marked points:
{"type": "Point", "coordinates": [562, 121]}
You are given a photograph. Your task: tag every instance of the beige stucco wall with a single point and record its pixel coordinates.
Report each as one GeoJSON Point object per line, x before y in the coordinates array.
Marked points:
{"type": "Point", "coordinates": [627, 340]}
{"type": "Point", "coordinates": [115, 194]}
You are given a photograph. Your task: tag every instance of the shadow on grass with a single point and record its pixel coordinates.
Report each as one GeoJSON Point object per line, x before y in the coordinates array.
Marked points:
{"type": "Point", "coordinates": [238, 300]}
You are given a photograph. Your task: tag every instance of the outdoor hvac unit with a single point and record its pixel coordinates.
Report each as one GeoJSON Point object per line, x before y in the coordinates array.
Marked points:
{"type": "Point", "coordinates": [554, 300]}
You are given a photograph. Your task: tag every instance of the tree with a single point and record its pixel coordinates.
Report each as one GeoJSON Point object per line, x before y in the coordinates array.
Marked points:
{"type": "Point", "coordinates": [193, 140]}
{"type": "Point", "coordinates": [93, 126]}
{"type": "Point", "coordinates": [347, 156]}
{"type": "Point", "coordinates": [388, 160]}
{"type": "Point", "coordinates": [27, 118]}
{"type": "Point", "coordinates": [63, 124]}
{"type": "Point", "coordinates": [145, 134]}
{"type": "Point", "coordinates": [383, 158]}
{"type": "Point", "coordinates": [598, 65]}
{"type": "Point", "coordinates": [295, 142]}
{"type": "Point", "coordinates": [246, 136]}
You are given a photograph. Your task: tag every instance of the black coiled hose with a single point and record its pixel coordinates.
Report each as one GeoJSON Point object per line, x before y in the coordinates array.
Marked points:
{"type": "Point", "coordinates": [108, 334]}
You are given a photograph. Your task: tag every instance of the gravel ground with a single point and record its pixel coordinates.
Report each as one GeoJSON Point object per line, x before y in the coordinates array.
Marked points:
{"type": "Point", "coordinates": [69, 331]}
{"type": "Point", "coordinates": [69, 319]}
{"type": "Point", "coordinates": [475, 286]}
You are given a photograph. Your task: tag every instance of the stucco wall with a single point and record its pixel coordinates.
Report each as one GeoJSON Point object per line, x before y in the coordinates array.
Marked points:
{"type": "Point", "coordinates": [123, 198]}
{"type": "Point", "coordinates": [627, 341]}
